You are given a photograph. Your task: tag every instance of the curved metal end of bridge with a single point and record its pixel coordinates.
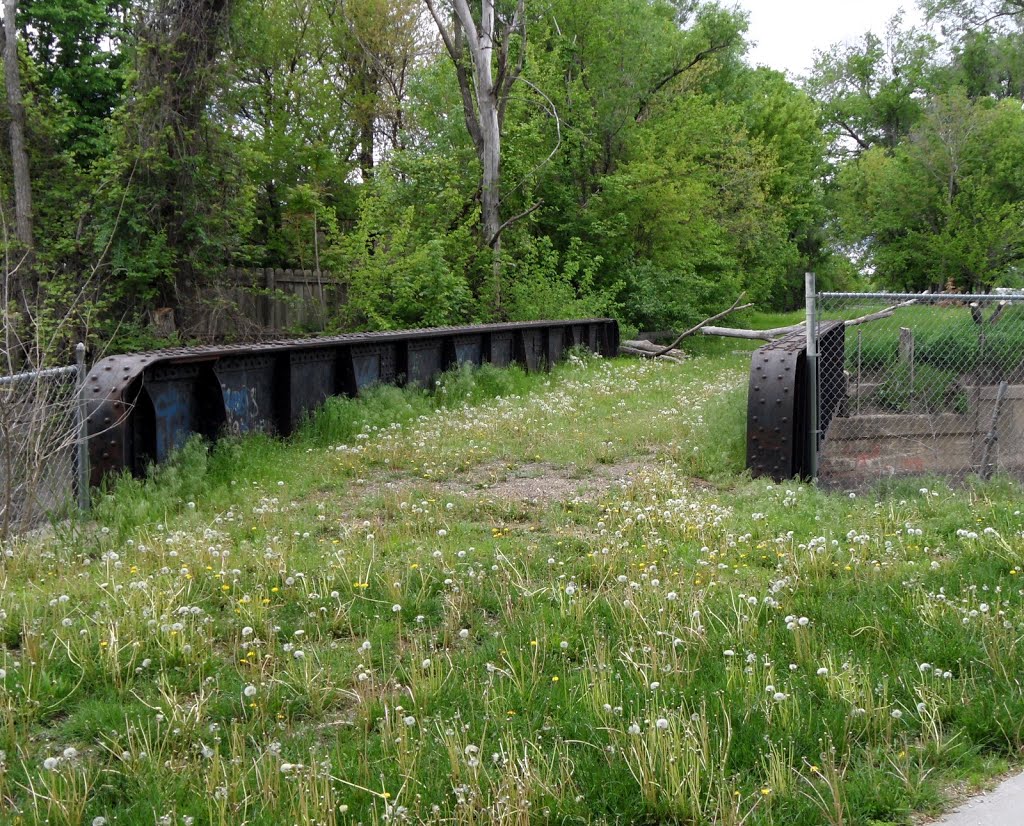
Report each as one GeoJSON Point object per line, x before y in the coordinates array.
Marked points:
{"type": "Point", "coordinates": [779, 419]}
{"type": "Point", "coordinates": [142, 406]}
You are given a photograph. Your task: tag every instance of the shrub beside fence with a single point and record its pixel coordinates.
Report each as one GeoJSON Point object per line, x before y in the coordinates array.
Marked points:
{"type": "Point", "coordinates": [43, 458]}
{"type": "Point", "coordinates": [934, 387]}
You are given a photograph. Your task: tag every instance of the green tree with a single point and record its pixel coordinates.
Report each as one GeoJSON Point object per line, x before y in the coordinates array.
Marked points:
{"type": "Point", "coordinates": [966, 15]}
{"type": "Point", "coordinates": [946, 208]}
{"type": "Point", "coordinates": [174, 204]}
{"type": "Point", "coordinates": [79, 51]}
{"type": "Point", "coordinates": [871, 92]}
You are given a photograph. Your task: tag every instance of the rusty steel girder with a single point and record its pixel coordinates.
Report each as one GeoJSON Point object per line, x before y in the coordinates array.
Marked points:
{"type": "Point", "coordinates": [143, 406]}
{"type": "Point", "coordinates": [779, 416]}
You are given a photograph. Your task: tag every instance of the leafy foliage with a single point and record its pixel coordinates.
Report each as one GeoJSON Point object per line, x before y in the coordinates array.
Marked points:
{"type": "Point", "coordinates": [646, 169]}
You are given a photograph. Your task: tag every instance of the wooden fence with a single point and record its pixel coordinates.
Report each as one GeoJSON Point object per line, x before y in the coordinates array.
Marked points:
{"type": "Point", "coordinates": [248, 303]}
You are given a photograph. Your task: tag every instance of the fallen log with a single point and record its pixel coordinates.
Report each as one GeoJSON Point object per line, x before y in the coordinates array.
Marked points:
{"type": "Point", "coordinates": [734, 308]}
{"type": "Point", "coordinates": [645, 349]}
{"type": "Point", "coordinates": [780, 332]}
{"type": "Point", "coordinates": [753, 335]}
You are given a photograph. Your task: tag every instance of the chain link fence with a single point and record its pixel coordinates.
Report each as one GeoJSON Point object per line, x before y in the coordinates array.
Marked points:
{"type": "Point", "coordinates": [932, 385]}
{"type": "Point", "coordinates": [43, 461]}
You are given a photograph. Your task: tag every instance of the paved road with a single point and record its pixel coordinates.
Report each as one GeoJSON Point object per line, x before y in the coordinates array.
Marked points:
{"type": "Point", "coordinates": [1003, 806]}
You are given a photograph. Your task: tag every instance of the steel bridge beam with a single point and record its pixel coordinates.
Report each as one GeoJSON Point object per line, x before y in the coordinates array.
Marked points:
{"type": "Point", "coordinates": [143, 406]}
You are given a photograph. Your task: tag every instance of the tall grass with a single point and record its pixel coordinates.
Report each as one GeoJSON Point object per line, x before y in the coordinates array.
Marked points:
{"type": "Point", "coordinates": [365, 624]}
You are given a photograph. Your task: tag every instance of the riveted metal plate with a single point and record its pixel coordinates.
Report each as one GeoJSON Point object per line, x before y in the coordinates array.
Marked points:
{"type": "Point", "coordinates": [373, 364]}
{"type": "Point", "coordinates": [778, 404]}
{"type": "Point", "coordinates": [250, 386]}
{"type": "Point", "coordinates": [171, 391]}
{"type": "Point", "coordinates": [425, 361]}
{"type": "Point", "coordinates": [502, 349]}
{"type": "Point", "coordinates": [556, 344]}
{"type": "Point", "coordinates": [468, 349]}
{"type": "Point", "coordinates": [313, 377]}
{"type": "Point", "coordinates": [531, 349]}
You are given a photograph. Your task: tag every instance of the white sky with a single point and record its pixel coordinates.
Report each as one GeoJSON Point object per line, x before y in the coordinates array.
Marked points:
{"type": "Point", "coordinates": [789, 32]}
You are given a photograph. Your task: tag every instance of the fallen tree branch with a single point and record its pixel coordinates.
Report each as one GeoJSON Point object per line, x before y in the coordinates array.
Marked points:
{"type": "Point", "coordinates": [761, 335]}
{"type": "Point", "coordinates": [734, 308]}
{"type": "Point", "coordinates": [647, 349]}
{"type": "Point", "coordinates": [644, 349]}
{"type": "Point", "coordinates": [779, 332]}
{"type": "Point", "coordinates": [886, 313]}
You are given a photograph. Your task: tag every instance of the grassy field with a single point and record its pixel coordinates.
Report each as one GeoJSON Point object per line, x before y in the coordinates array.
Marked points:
{"type": "Point", "coordinates": [545, 598]}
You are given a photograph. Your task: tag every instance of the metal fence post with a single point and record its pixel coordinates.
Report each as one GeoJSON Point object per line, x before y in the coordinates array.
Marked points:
{"type": "Point", "coordinates": [810, 299]}
{"type": "Point", "coordinates": [82, 434]}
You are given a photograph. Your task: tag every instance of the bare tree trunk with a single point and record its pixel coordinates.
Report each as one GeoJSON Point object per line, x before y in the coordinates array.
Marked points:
{"type": "Point", "coordinates": [490, 201]}
{"type": "Point", "coordinates": [366, 116]}
{"type": "Point", "coordinates": [19, 154]}
{"type": "Point", "coordinates": [484, 99]}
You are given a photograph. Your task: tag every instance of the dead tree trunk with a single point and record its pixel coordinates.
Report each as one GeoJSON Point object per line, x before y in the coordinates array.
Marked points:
{"type": "Point", "coordinates": [19, 154]}
{"type": "Point", "coordinates": [485, 84]}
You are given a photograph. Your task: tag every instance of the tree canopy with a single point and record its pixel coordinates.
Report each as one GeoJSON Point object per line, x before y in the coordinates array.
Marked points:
{"type": "Point", "coordinates": [459, 162]}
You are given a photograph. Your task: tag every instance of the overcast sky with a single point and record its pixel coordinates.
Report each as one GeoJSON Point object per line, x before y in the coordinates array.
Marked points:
{"type": "Point", "coordinates": [788, 32]}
